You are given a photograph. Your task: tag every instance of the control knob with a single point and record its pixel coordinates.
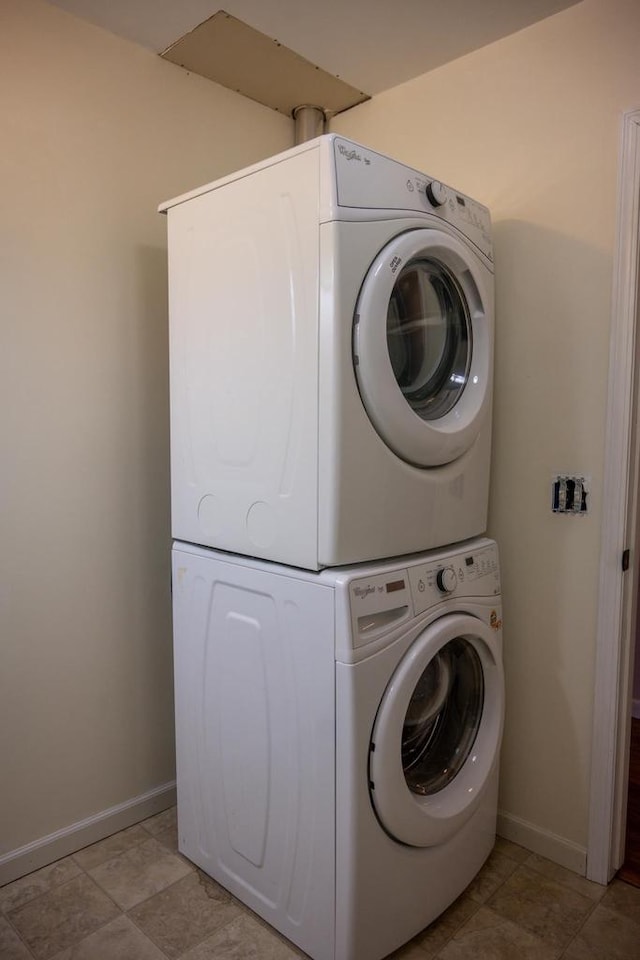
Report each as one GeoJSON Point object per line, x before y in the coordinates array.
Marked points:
{"type": "Point", "coordinates": [436, 193]}
{"type": "Point", "coordinates": [446, 580]}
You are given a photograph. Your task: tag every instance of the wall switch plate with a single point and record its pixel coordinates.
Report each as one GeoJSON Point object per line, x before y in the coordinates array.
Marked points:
{"type": "Point", "coordinates": [569, 495]}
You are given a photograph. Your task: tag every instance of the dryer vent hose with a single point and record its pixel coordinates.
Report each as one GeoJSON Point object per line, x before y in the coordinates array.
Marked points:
{"type": "Point", "coordinates": [309, 122]}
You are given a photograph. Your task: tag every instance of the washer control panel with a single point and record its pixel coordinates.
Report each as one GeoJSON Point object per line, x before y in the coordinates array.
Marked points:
{"type": "Point", "coordinates": [471, 573]}
{"type": "Point", "coordinates": [383, 600]}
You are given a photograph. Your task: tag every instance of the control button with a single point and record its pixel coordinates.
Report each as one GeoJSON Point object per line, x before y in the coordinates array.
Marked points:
{"type": "Point", "coordinates": [436, 193]}
{"type": "Point", "coordinates": [446, 579]}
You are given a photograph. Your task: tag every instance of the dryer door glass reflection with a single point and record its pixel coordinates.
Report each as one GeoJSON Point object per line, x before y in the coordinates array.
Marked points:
{"type": "Point", "coordinates": [429, 337]}
{"type": "Point", "coordinates": [443, 718]}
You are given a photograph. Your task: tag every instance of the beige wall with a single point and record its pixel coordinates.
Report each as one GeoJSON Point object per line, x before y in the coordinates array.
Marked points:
{"type": "Point", "coordinates": [94, 133]}
{"type": "Point", "coordinates": [530, 125]}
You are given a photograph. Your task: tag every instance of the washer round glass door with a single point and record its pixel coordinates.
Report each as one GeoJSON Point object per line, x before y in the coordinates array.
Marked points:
{"type": "Point", "coordinates": [422, 346]}
{"type": "Point", "coordinates": [437, 733]}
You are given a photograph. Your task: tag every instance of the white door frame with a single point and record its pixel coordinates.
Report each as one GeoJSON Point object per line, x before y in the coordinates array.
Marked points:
{"type": "Point", "coordinates": [617, 591]}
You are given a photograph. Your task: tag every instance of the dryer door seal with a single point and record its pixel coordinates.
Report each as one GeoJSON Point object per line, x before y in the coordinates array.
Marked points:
{"type": "Point", "coordinates": [422, 344]}
{"type": "Point", "coordinates": [437, 733]}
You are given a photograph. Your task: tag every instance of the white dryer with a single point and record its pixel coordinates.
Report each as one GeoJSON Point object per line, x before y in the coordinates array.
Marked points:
{"type": "Point", "coordinates": [338, 736]}
{"type": "Point", "coordinates": [331, 342]}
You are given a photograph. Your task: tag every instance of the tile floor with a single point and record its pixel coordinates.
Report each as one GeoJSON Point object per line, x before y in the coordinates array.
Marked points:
{"type": "Point", "coordinates": [133, 897]}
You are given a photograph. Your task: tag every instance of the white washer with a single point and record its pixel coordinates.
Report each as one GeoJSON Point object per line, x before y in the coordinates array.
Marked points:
{"type": "Point", "coordinates": [338, 736]}
{"type": "Point", "coordinates": [331, 338]}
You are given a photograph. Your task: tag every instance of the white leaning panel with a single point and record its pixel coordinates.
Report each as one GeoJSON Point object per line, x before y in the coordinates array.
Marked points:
{"type": "Point", "coordinates": [255, 740]}
{"type": "Point", "coordinates": [243, 292]}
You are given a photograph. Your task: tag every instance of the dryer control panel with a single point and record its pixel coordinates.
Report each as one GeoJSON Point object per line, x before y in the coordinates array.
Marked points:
{"type": "Point", "coordinates": [472, 573]}
{"type": "Point", "coordinates": [367, 180]}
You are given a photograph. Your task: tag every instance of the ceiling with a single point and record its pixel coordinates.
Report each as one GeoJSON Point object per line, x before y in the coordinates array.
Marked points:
{"type": "Point", "coordinates": [369, 44]}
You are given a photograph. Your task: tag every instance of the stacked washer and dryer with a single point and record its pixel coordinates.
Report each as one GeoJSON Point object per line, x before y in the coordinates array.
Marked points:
{"type": "Point", "coordinates": [337, 612]}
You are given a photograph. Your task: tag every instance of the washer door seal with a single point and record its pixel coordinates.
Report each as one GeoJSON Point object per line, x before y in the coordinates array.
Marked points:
{"type": "Point", "coordinates": [437, 733]}
{"type": "Point", "coordinates": [422, 347]}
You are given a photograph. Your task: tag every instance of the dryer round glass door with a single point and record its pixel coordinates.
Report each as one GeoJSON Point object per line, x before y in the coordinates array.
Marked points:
{"type": "Point", "coordinates": [429, 337]}
{"type": "Point", "coordinates": [437, 733]}
{"type": "Point", "coordinates": [422, 345]}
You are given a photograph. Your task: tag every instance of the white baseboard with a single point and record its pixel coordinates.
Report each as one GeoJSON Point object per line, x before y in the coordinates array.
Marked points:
{"type": "Point", "coordinates": [635, 709]}
{"type": "Point", "coordinates": [543, 842]}
{"type": "Point", "coordinates": [39, 853]}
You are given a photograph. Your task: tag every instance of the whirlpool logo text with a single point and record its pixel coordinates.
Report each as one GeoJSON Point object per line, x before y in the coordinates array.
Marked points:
{"type": "Point", "coordinates": [364, 591]}
{"type": "Point", "coordinates": [349, 154]}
